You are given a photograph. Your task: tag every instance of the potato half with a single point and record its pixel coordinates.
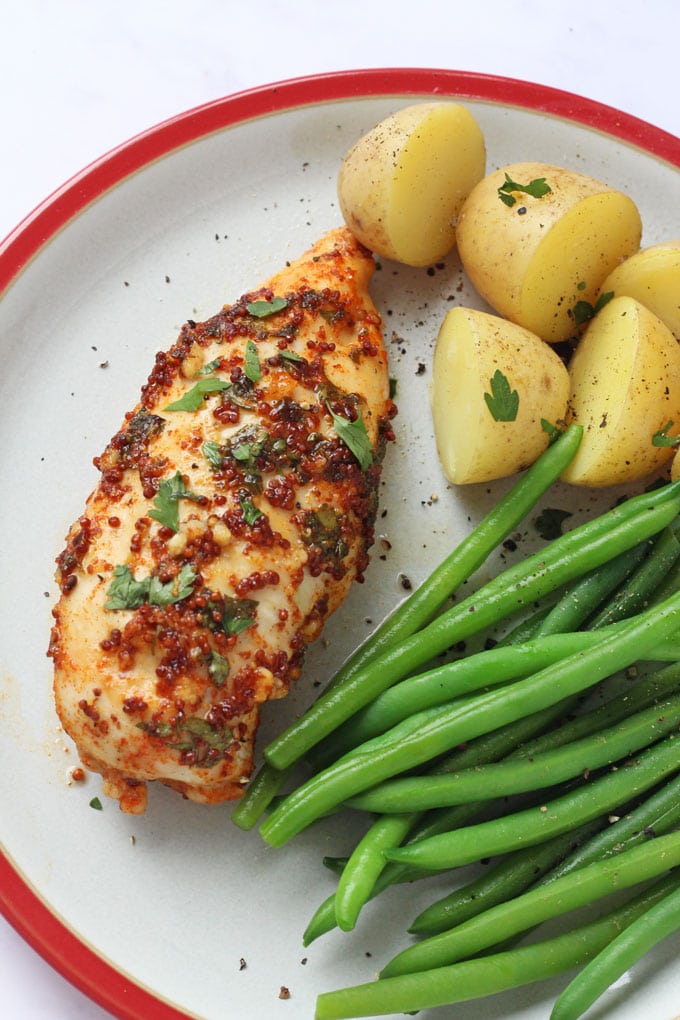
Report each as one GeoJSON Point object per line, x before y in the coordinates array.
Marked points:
{"type": "Point", "coordinates": [652, 277]}
{"type": "Point", "coordinates": [625, 389]}
{"type": "Point", "coordinates": [480, 361]}
{"type": "Point", "coordinates": [538, 258]}
{"type": "Point", "coordinates": [402, 185]}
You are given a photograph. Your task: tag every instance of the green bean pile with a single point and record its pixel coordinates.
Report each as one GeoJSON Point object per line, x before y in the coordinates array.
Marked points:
{"type": "Point", "coordinates": [526, 751]}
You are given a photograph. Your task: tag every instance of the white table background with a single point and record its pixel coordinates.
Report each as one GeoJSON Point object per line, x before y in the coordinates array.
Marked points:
{"type": "Point", "coordinates": [78, 77]}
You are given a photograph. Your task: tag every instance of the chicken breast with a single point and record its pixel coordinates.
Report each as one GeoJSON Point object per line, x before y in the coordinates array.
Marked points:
{"type": "Point", "coordinates": [234, 510]}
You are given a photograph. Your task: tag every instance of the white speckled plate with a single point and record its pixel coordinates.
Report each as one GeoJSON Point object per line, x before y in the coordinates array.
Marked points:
{"type": "Point", "coordinates": [178, 913]}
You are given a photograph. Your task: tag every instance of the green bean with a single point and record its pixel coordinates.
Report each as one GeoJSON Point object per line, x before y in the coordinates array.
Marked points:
{"type": "Point", "coordinates": [636, 592]}
{"type": "Point", "coordinates": [433, 732]}
{"type": "Point", "coordinates": [586, 594]}
{"type": "Point", "coordinates": [653, 816]}
{"type": "Point", "coordinates": [258, 795]}
{"type": "Point", "coordinates": [531, 826]}
{"type": "Point", "coordinates": [567, 557]}
{"type": "Point", "coordinates": [657, 923]}
{"type": "Point", "coordinates": [510, 876]}
{"type": "Point", "coordinates": [489, 668]}
{"type": "Point", "coordinates": [487, 975]}
{"type": "Point", "coordinates": [488, 747]}
{"type": "Point", "coordinates": [534, 772]}
{"type": "Point", "coordinates": [539, 904]}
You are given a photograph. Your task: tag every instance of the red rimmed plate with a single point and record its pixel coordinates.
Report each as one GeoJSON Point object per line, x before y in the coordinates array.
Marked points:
{"type": "Point", "coordinates": [153, 917]}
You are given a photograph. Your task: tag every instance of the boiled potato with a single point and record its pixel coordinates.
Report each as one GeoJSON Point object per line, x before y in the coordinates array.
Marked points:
{"type": "Point", "coordinates": [484, 369]}
{"type": "Point", "coordinates": [625, 389]}
{"type": "Point", "coordinates": [402, 185]}
{"type": "Point", "coordinates": [652, 277]}
{"type": "Point", "coordinates": [534, 260]}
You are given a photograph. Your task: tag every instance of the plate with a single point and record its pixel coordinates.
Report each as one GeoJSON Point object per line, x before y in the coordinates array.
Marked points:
{"type": "Point", "coordinates": [178, 913]}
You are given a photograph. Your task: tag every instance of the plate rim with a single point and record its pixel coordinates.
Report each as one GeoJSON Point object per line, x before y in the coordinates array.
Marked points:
{"type": "Point", "coordinates": [21, 905]}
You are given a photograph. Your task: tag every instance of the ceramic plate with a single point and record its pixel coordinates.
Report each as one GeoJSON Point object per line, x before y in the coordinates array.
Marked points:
{"type": "Point", "coordinates": [178, 913]}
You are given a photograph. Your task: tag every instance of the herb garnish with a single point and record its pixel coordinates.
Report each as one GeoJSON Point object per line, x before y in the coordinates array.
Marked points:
{"type": "Point", "coordinates": [661, 438]}
{"type": "Point", "coordinates": [583, 311]}
{"type": "Point", "coordinates": [252, 366]}
{"type": "Point", "coordinates": [211, 367]}
{"type": "Point", "coordinates": [503, 402]}
{"type": "Point", "coordinates": [218, 668]}
{"type": "Point", "coordinates": [536, 188]}
{"type": "Point", "coordinates": [249, 510]}
{"type": "Point", "coordinates": [193, 398]}
{"type": "Point", "coordinates": [263, 309]}
{"type": "Point", "coordinates": [354, 436]}
{"type": "Point", "coordinates": [290, 356]}
{"type": "Point", "coordinates": [553, 431]}
{"type": "Point", "coordinates": [212, 453]}
{"type": "Point", "coordinates": [549, 522]}
{"type": "Point", "coordinates": [125, 592]}
{"type": "Point", "coordinates": [96, 804]}
{"type": "Point", "coordinates": [166, 503]}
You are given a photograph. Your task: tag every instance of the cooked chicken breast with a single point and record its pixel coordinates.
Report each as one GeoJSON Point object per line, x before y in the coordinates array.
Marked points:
{"type": "Point", "coordinates": [235, 509]}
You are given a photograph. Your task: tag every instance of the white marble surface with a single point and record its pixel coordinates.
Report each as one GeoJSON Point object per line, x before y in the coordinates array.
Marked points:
{"type": "Point", "coordinates": [78, 77]}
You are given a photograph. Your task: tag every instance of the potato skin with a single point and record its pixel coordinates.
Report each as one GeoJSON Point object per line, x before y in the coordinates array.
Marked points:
{"type": "Point", "coordinates": [625, 387]}
{"type": "Point", "coordinates": [652, 277]}
{"type": "Point", "coordinates": [402, 185]}
{"type": "Point", "coordinates": [533, 261]}
{"type": "Point", "coordinates": [471, 346]}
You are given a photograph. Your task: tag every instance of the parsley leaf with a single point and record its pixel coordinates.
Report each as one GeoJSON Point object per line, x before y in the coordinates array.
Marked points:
{"type": "Point", "coordinates": [503, 402]}
{"type": "Point", "coordinates": [263, 309]}
{"type": "Point", "coordinates": [193, 398]}
{"type": "Point", "coordinates": [354, 436]}
{"type": "Point", "coordinates": [238, 614]}
{"type": "Point", "coordinates": [553, 431]}
{"type": "Point", "coordinates": [166, 503]}
{"type": "Point", "coordinates": [249, 510]}
{"type": "Point", "coordinates": [211, 367]}
{"type": "Point", "coordinates": [662, 438]}
{"type": "Point", "coordinates": [218, 668]}
{"type": "Point", "coordinates": [212, 453]}
{"type": "Point", "coordinates": [125, 592]}
{"type": "Point", "coordinates": [536, 188]}
{"type": "Point", "coordinates": [583, 311]}
{"type": "Point", "coordinates": [96, 804]}
{"type": "Point", "coordinates": [549, 522]}
{"type": "Point", "coordinates": [252, 367]}
{"type": "Point", "coordinates": [290, 356]}
{"type": "Point", "coordinates": [174, 591]}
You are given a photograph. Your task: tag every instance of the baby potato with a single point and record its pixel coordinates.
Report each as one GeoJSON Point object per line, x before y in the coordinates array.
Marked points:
{"type": "Point", "coordinates": [537, 256]}
{"type": "Point", "coordinates": [493, 384]}
{"type": "Point", "coordinates": [652, 277]}
{"type": "Point", "coordinates": [402, 185]}
{"type": "Point", "coordinates": [625, 390]}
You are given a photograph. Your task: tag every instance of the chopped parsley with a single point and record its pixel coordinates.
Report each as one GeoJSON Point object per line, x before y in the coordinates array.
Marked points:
{"type": "Point", "coordinates": [549, 522]}
{"type": "Point", "coordinates": [553, 431]}
{"type": "Point", "coordinates": [249, 510]}
{"type": "Point", "coordinates": [354, 436]}
{"type": "Point", "coordinates": [193, 398]}
{"type": "Point", "coordinates": [218, 668]}
{"type": "Point", "coordinates": [252, 367]}
{"type": "Point", "coordinates": [536, 188]}
{"type": "Point", "coordinates": [166, 503]}
{"type": "Point", "coordinates": [125, 592]}
{"type": "Point", "coordinates": [212, 453]}
{"type": "Point", "coordinates": [583, 311]}
{"type": "Point", "coordinates": [96, 804]}
{"type": "Point", "coordinates": [211, 367]}
{"type": "Point", "coordinates": [263, 309]}
{"type": "Point", "coordinates": [662, 438]}
{"type": "Point", "coordinates": [503, 402]}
